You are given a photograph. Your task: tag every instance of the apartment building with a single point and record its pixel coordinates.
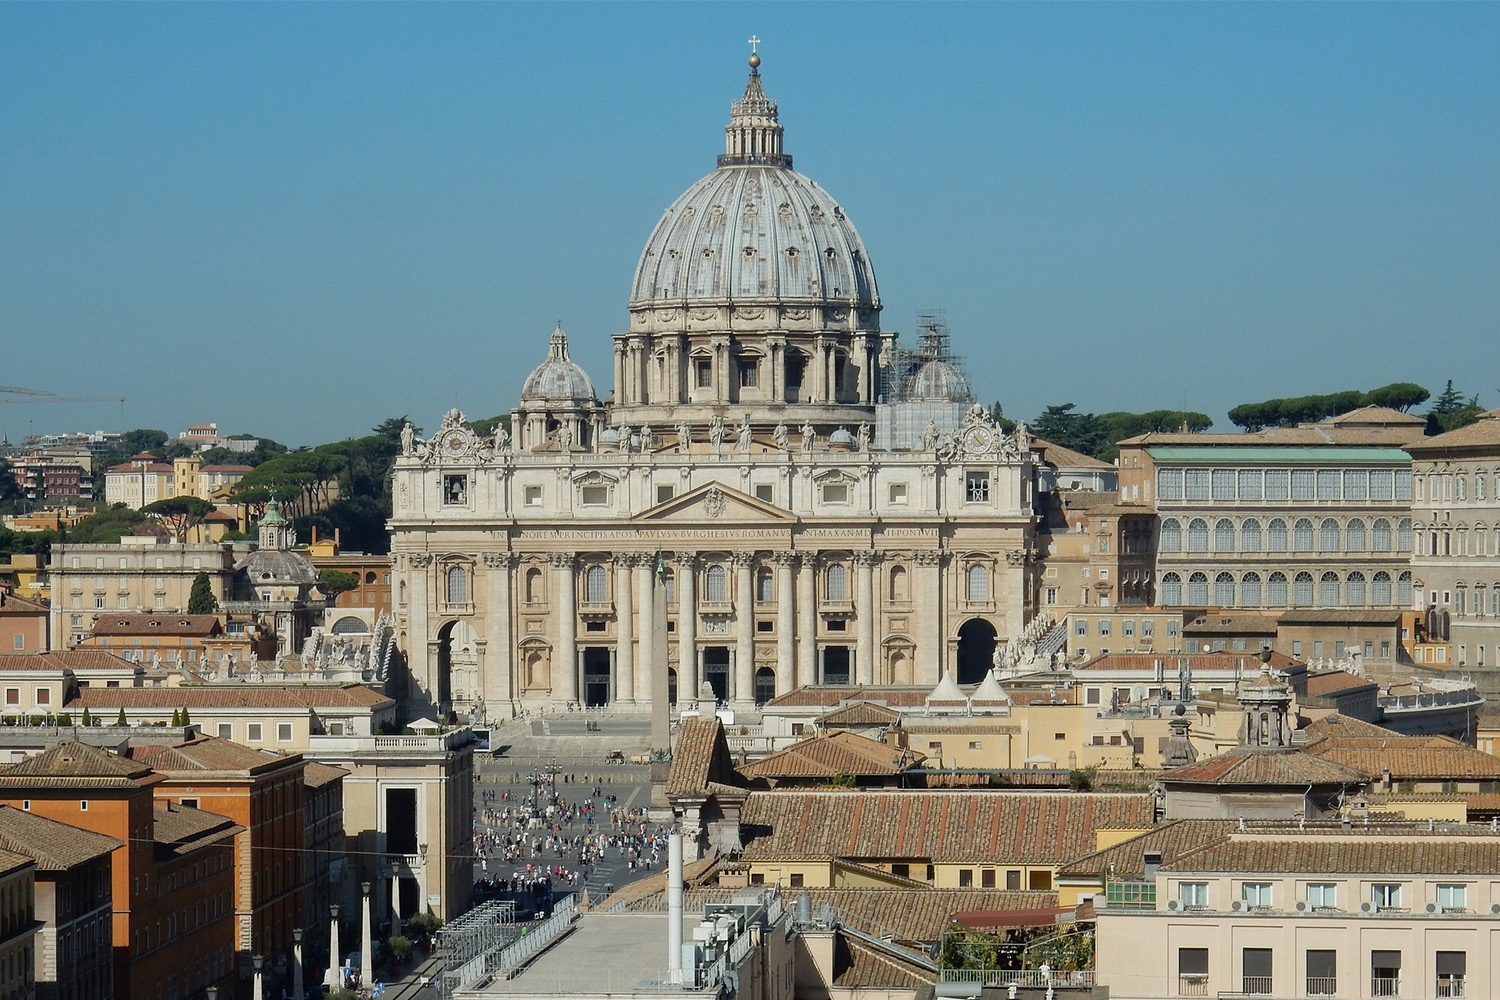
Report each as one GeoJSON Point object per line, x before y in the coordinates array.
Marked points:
{"type": "Point", "coordinates": [142, 573]}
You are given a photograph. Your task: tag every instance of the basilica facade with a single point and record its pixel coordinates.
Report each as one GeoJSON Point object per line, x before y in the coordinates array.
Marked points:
{"type": "Point", "coordinates": [777, 494]}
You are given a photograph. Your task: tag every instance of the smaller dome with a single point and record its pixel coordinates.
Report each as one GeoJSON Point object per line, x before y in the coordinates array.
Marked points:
{"type": "Point", "coordinates": [938, 379]}
{"type": "Point", "coordinates": [841, 436]}
{"type": "Point", "coordinates": [276, 567]}
{"type": "Point", "coordinates": [557, 378]}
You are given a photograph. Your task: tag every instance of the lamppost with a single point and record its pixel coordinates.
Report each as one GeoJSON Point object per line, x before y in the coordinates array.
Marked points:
{"type": "Point", "coordinates": [297, 990]}
{"type": "Point", "coordinates": [334, 978]}
{"type": "Point", "coordinates": [259, 989]}
{"type": "Point", "coordinates": [366, 956]}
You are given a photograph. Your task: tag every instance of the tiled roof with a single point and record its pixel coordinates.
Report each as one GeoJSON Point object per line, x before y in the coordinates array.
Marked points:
{"type": "Point", "coordinates": [139, 467]}
{"type": "Point", "coordinates": [1335, 681]}
{"type": "Point", "coordinates": [317, 774]}
{"type": "Point", "coordinates": [1264, 766]}
{"type": "Point", "coordinates": [1377, 415]}
{"type": "Point", "coordinates": [1379, 852]}
{"type": "Point", "coordinates": [1245, 662]}
{"type": "Point", "coordinates": [1482, 433]}
{"type": "Point", "coordinates": [839, 753]}
{"type": "Point", "coordinates": [180, 829]}
{"type": "Point", "coordinates": [990, 826]}
{"type": "Point", "coordinates": [859, 965]}
{"type": "Point", "coordinates": [859, 714]}
{"type": "Point", "coordinates": [231, 696]}
{"type": "Point", "coordinates": [10, 604]}
{"type": "Point", "coordinates": [1066, 458]}
{"type": "Point", "coordinates": [1452, 762]}
{"type": "Point", "coordinates": [55, 846]}
{"type": "Point", "coordinates": [1172, 839]}
{"type": "Point", "coordinates": [1230, 623]}
{"type": "Point", "coordinates": [73, 762]}
{"type": "Point", "coordinates": [1353, 616]}
{"type": "Point", "coordinates": [831, 697]}
{"type": "Point", "coordinates": [11, 860]}
{"type": "Point", "coordinates": [157, 624]}
{"type": "Point", "coordinates": [1344, 726]}
{"type": "Point", "coordinates": [700, 758]}
{"type": "Point", "coordinates": [76, 660]}
{"type": "Point", "coordinates": [208, 753]}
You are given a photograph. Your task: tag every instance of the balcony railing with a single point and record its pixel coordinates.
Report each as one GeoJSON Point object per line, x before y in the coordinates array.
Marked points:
{"type": "Point", "coordinates": [1451, 986]}
{"type": "Point", "coordinates": [1385, 986]}
{"type": "Point", "coordinates": [1192, 985]}
{"type": "Point", "coordinates": [1322, 986]}
{"type": "Point", "coordinates": [1255, 985]}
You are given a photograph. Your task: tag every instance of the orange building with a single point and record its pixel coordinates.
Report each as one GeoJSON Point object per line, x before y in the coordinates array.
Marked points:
{"type": "Point", "coordinates": [373, 571]}
{"type": "Point", "coordinates": [265, 795]}
{"type": "Point", "coordinates": [172, 878]}
{"type": "Point", "coordinates": [23, 625]}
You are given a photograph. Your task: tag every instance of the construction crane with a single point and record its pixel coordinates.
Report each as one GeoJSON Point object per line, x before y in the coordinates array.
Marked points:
{"type": "Point", "coordinates": [25, 392]}
{"type": "Point", "coordinates": [46, 396]}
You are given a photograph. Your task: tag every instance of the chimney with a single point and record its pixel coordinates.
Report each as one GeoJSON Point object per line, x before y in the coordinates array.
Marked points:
{"type": "Point", "coordinates": [1152, 860]}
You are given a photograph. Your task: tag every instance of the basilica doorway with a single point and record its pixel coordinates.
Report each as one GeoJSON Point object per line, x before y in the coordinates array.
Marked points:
{"type": "Point", "coordinates": [443, 696]}
{"type": "Point", "coordinates": [765, 685]}
{"type": "Point", "coordinates": [596, 663]}
{"type": "Point", "coordinates": [976, 650]}
{"type": "Point", "coordinates": [716, 670]}
{"type": "Point", "coordinates": [835, 665]}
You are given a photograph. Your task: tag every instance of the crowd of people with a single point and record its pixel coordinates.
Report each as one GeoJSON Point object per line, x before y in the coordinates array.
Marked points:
{"type": "Point", "coordinates": [540, 838]}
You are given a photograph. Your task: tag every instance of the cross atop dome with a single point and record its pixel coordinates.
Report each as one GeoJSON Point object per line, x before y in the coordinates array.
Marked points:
{"type": "Point", "coordinates": [754, 133]}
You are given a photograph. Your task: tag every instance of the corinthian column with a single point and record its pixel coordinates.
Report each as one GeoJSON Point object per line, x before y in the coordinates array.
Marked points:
{"type": "Point", "coordinates": [565, 666]}
{"type": "Point", "coordinates": [687, 629]}
{"type": "Point", "coordinates": [624, 626]}
{"type": "Point", "coordinates": [929, 665]}
{"type": "Point", "coordinates": [744, 621]}
{"type": "Point", "coordinates": [807, 621]}
{"type": "Point", "coordinates": [786, 622]}
{"type": "Point", "coordinates": [864, 618]}
{"type": "Point", "coordinates": [498, 682]}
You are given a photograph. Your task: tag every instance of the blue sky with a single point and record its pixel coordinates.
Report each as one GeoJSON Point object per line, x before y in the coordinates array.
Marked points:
{"type": "Point", "coordinates": [298, 219]}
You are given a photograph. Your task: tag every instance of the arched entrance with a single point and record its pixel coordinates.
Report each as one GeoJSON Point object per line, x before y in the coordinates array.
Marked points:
{"type": "Point", "coordinates": [765, 685]}
{"type": "Point", "coordinates": [444, 680]}
{"type": "Point", "coordinates": [976, 650]}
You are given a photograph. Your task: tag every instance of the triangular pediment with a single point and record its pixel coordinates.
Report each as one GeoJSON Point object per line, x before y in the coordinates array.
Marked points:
{"type": "Point", "coordinates": [715, 502]}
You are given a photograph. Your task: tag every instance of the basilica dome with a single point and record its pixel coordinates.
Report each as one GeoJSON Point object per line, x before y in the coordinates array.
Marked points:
{"type": "Point", "coordinates": [755, 230]}
{"type": "Point", "coordinates": [557, 378]}
{"type": "Point", "coordinates": [940, 380]}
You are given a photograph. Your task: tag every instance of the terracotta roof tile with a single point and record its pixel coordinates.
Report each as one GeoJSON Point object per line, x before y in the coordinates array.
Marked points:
{"type": "Point", "coordinates": [1172, 839]}
{"type": "Point", "coordinates": [700, 758]}
{"type": "Point", "coordinates": [1264, 766]}
{"type": "Point", "coordinates": [984, 825]}
{"type": "Point", "coordinates": [838, 753]}
{"type": "Point", "coordinates": [1378, 850]}
{"type": "Point", "coordinates": [180, 829]}
{"type": "Point", "coordinates": [860, 714]}
{"type": "Point", "coordinates": [209, 753]}
{"type": "Point", "coordinates": [157, 624]}
{"type": "Point", "coordinates": [55, 846]}
{"type": "Point", "coordinates": [831, 697]}
{"type": "Point", "coordinates": [1334, 681]}
{"type": "Point", "coordinates": [1248, 662]}
{"type": "Point", "coordinates": [76, 660]}
{"type": "Point", "coordinates": [1482, 433]}
{"type": "Point", "coordinates": [72, 761]}
{"type": "Point", "coordinates": [317, 774]}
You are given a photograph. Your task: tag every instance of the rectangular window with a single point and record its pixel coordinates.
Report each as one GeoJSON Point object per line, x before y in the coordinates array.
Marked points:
{"type": "Point", "coordinates": [1452, 971]}
{"type": "Point", "coordinates": [1169, 484]}
{"type": "Point", "coordinates": [977, 487]}
{"type": "Point", "coordinates": [18, 641]}
{"type": "Point", "coordinates": [1322, 972]}
{"type": "Point", "coordinates": [44, 696]}
{"type": "Point", "coordinates": [795, 880]}
{"type": "Point", "coordinates": [1329, 481]}
{"type": "Point", "coordinates": [1403, 484]}
{"type": "Point", "coordinates": [1256, 895]}
{"type": "Point", "coordinates": [835, 493]}
{"type": "Point", "coordinates": [1081, 626]}
{"type": "Point", "coordinates": [1192, 972]}
{"type": "Point", "coordinates": [749, 374]}
{"type": "Point", "coordinates": [1277, 484]}
{"type": "Point", "coordinates": [1382, 485]}
{"type": "Point", "coordinates": [1192, 895]}
{"type": "Point", "coordinates": [664, 493]}
{"type": "Point", "coordinates": [898, 494]}
{"type": "Point", "coordinates": [1250, 484]}
{"type": "Point", "coordinates": [1148, 629]}
{"type": "Point", "coordinates": [1195, 484]}
{"type": "Point", "coordinates": [284, 732]}
{"type": "Point", "coordinates": [1303, 484]}
{"type": "Point", "coordinates": [455, 489]}
{"type": "Point", "coordinates": [533, 496]}
{"type": "Point", "coordinates": [13, 696]}
{"type": "Point", "coordinates": [1386, 895]}
{"type": "Point", "coordinates": [1385, 973]}
{"type": "Point", "coordinates": [1356, 484]}
{"type": "Point", "coordinates": [966, 878]}
{"type": "Point", "coordinates": [765, 492]}
{"type": "Point", "coordinates": [1453, 896]}
{"type": "Point", "coordinates": [1127, 627]}
{"type": "Point", "coordinates": [593, 496]}
{"type": "Point", "coordinates": [1322, 895]}
{"type": "Point", "coordinates": [987, 878]}
{"type": "Point", "coordinates": [252, 732]}
{"type": "Point", "coordinates": [1255, 970]}
{"type": "Point", "coordinates": [226, 731]}
{"type": "Point", "coordinates": [1223, 484]}
{"type": "Point", "coordinates": [1103, 627]}
{"type": "Point", "coordinates": [704, 369]}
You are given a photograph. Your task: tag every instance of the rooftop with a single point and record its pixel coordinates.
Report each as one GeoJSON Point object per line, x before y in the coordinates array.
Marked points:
{"type": "Point", "coordinates": [55, 846]}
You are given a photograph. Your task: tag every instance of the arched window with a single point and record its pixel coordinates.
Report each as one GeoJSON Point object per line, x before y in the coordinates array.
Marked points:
{"type": "Point", "coordinates": [1250, 590]}
{"type": "Point", "coordinates": [765, 586]}
{"type": "Point", "coordinates": [1197, 593]}
{"type": "Point", "coordinates": [1479, 594]}
{"type": "Point", "coordinates": [458, 585]}
{"type": "Point", "coordinates": [1302, 590]}
{"type": "Point", "coordinates": [1481, 540]}
{"type": "Point", "coordinates": [1461, 488]}
{"type": "Point", "coordinates": [1329, 535]}
{"type": "Point", "coordinates": [1171, 535]}
{"type": "Point", "coordinates": [1380, 589]}
{"type": "Point", "coordinates": [1250, 535]}
{"type": "Point", "coordinates": [1380, 535]}
{"type": "Point", "coordinates": [1479, 484]}
{"type": "Point", "coordinates": [1354, 590]}
{"type": "Point", "coordinates": [978, 582]}
{"type": "Point", "coordinates": [595, 585]}
{"type": "Point", "coordinates": [1460, 597]}
{"type": "Point", "coordinates": [1403, 535]}
{"type": "Point", "coordinates": [1461, 541]}
{"type": "Point", "coordinates": [1197, 535]}
{"type": "Point", "coordinates": [1328, 590]}
{"type": "Point", "coordinates": [716, 584]}
{"type": "Point", "coordinates": [1276, 535]}
{"type": "Point", "coordinates": [838, 582]}
{"type": "Point", "coordinates": [1302, 535]}
{"type": "Point", "coordinates": [370, 577]}
{"type": "Point", "coordinates": [1354, 535]}
{"type": "Point", "coordinates": [1224, 590]}
{"type": "Point", "coordinates": [533, 587]}
{"type": "Point", "coordinates": [1403, 590]}
{"type": "Point", "coordinates": [1276, 590]}
{"type": "Point", "coordinates": [1223, 535]}
{"type": "Point", "coordinates": [898, 585]}
{"type": "Point", "coordinates": [1171, 590]}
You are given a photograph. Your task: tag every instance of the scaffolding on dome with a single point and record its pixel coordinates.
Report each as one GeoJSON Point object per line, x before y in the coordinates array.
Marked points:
{"type": "Point", "coordinates": [934, 343]}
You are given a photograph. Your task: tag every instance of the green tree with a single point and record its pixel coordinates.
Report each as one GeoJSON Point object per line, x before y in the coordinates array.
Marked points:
{"type": "Point", "coordinates": [201, 600]}
{"type": "Point", "coordinates": [11, 498]}
{"type": "Point", "coordinates": [88, 720]}
{"type": "Point", "coordinates": [1451, 411]}
{"type": "Point", "coordinates": [120, 719]}
{"type": "Point", "coordinates": [178, 514]}
{"type": "Point", "coordinates": [997, 414]}
{"type": "Point", "coordinates": [1399, 396]}
{"type": "Point", "coordinates": [187, 720]}
{"type": "Point", "coordinates": [176, 718]}
{"type": "Point", "coordinates": [333, 582]}
{"type": "Point", "coordinates": [1082, 432]}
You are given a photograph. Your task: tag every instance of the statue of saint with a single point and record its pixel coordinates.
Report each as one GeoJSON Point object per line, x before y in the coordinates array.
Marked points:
{"type": "Point", "coordinates": [930, 436]}
{"type": "Point", "coordinates": [408, 436]}
{"type": "Point", "coordinates": [808, 436]}
{"type": "Point", "coordinates": [684, 435]}
{"type": "Point", "coordinates": [716, 432]}
{"type": "Point", "coordinates": [648, 440]}
{"type": "Point", "coordinates": [502, 437]}
{"type": "Point", "coordinates": [862, 436]}
{"type": "Point", "coordinates": [744, 435]}
{"type": "Point", "coordinates": [780, 436]}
